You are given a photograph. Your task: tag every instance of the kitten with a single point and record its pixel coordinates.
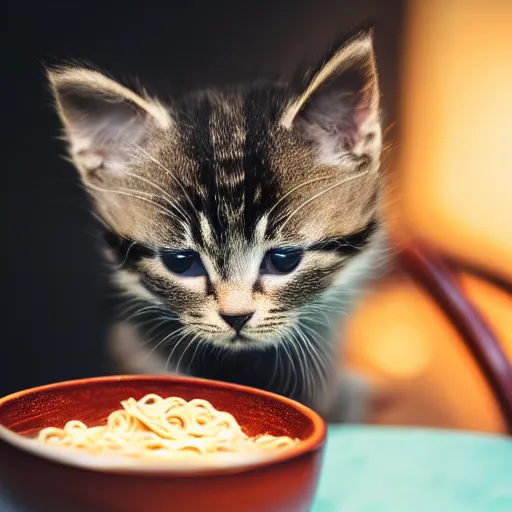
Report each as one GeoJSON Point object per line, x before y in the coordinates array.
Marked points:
{"type": "Point", "coordinates": [243, 221]}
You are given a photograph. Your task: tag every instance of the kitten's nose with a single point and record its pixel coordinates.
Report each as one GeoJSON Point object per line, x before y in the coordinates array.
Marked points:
{"type": "Point", "coordinates": [236, 321]}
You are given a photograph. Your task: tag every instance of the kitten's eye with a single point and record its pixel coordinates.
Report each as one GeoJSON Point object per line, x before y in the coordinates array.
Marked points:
{"type": "Point", "coordinates": [281, 261]}
{"type": "Point", "coordinates": [187, 263]}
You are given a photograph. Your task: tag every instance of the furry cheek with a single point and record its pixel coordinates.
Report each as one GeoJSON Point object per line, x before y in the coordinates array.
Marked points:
{"type": "Point", "coordinates": [181, 295]}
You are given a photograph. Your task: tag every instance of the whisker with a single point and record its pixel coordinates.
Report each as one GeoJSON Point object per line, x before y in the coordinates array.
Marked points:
{"type": "Point", "coordinates": [145, 310]}
{"type": "Point", "coordinates": [276, 367]}
{"type": "Point", "coordinates": [317, 360]}
{"type": "Point", "coordinates": [219, 351]}
{"type": "Point", "coordinates": [98, 218]}
{"type": "Point", "coordinates": [193, 356]}
{"type": "Point", "coordinates": [319, 349]}
{"type": "Point", "coordinates": [183, 337]}
{"type": "Point", "coordinates": [183, 353]}
{"type": "Point", "coordinates": [170, 335]}
{"type": "Point", "coordinates": [291, 374]}
{"type": "Point", "coordinates": [135, 195]}
{"type": "Point", "coordinates": [307, 367]}
{"type": "Point", "coordinates": [303, 364]}
{"type": "Point", "coordinates": [303, 184]}
{"type": "Point", "coordinates": [322, 192]}
{"type": "Point", "coordinates": [157, 162]}
{"type": "Point", "coordinates": [322, 309]}
{"type": "Point", "coordinates": [164, 193]}
{"type": "Point", "coordinates": [295, 369]}
{"type": "Point", "coordinates": [158, 325]}
{"type": "Point", "coordinates": [121, 265]}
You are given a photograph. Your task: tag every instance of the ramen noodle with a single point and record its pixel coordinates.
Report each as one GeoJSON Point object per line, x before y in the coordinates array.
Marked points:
{"type": "Point", "coordinates": [163, 428]}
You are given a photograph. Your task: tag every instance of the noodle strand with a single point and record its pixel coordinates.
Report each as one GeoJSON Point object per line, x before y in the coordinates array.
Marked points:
{"type": "Point", "coordinates": [163, 427]}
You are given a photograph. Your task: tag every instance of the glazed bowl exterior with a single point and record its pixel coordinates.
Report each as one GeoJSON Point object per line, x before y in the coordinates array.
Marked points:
{"type": "Point", "coordinates": [45, 481]}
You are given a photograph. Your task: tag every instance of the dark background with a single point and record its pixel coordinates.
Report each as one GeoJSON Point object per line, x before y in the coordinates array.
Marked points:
{"type": "Point", "coordinates": [54, 315]}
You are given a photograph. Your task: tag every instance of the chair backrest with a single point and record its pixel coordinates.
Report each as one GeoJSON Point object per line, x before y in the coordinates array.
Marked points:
{"type": "Point", "coordinates": [450, 212]}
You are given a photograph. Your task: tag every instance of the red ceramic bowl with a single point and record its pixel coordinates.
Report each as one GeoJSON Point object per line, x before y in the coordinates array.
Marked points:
{"type": "Point", "coordinates": [48, 481]}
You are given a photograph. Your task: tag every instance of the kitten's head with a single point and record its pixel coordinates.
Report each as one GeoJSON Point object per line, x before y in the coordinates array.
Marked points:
{"type": "Point", "coordinates": [233, 208]}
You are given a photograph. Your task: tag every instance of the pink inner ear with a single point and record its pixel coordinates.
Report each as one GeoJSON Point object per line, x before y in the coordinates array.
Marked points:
{"type": "Point", "coordinates": [343, 121]}
{"type": "Point", "coordinates": [336, 121]}
{"type": "Point", "coordinates": [348, 137]}
{"type": "Point", "coordinates": [362, 129]}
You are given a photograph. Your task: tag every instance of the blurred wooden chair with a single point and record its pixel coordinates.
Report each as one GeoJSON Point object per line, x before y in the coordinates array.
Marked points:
{"type": "Point", "coordinates": [436, 334]}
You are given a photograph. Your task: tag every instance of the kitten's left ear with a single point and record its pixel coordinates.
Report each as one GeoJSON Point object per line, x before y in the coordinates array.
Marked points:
{"type": "Point", "coordinates": [104, 121]}
{"type": "Point", "coordinates": [338, 109]}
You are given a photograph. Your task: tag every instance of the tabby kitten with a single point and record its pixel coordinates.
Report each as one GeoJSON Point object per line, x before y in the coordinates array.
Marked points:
{"type": "Point", "coordinates": [243, 221]}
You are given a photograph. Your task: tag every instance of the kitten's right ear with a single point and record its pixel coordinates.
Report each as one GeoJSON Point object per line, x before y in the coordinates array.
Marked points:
{"type": "Point", "coordinates": [338, 107]}
{"type": "Point", "coordinates": [104, 121]}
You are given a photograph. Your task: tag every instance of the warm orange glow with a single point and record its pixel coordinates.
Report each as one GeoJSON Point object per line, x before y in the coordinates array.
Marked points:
{"type": "Point", "coordinates": [453, 191]}
{"type": "Point", "coordinates": [399, 351]}
{"type": "Point", "coordinates": [426, 373]}
{"type": "Point", "coordinates": [456, 133]}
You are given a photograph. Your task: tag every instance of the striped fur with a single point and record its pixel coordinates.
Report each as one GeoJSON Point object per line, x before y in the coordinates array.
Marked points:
{"type": "Point", "coordinates": [232, 174]}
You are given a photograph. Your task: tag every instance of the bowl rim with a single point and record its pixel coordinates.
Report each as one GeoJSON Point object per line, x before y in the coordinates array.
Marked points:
{"type": "Point", "coordinates": [119, 464]}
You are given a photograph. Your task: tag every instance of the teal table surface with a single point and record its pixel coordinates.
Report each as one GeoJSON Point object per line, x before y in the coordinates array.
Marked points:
{"type": "Point", "coordinates": [370, 469]}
